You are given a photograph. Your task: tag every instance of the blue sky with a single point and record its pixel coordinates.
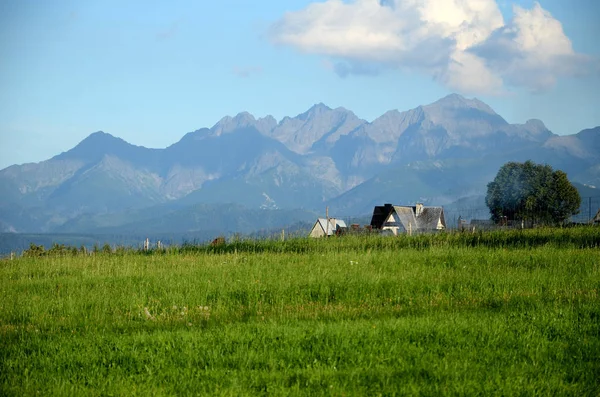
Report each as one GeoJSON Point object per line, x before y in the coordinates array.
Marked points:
{"type": "Point", "coordinates": [150, 71]}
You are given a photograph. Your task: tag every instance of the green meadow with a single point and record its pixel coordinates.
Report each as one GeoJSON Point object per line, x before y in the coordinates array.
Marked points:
{"type": "Point", "coordinates": [499, 313]}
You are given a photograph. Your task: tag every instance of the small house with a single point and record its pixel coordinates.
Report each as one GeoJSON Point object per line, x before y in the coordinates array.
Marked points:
{"type": "Point", "coordinates": [408, 219]}
{"type": "Point", "coordinates": [324, 228]}
{"type": "Point", "coordinates": [596, 219]}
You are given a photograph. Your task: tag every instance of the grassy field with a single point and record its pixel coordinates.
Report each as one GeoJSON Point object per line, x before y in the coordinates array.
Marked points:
{"type": "Point", "coordinates": [493, 313]}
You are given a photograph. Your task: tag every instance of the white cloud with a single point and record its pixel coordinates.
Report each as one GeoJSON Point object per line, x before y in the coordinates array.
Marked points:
{"type": "Point", "coordinates": [532, 50]}
{"type": "Point", "coordinates": [464, 44]}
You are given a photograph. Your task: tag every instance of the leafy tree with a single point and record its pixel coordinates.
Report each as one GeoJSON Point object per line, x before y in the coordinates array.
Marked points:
{"type": "Point", "coordinates": [106, 249]}
{"type": "Point", "coordinates": [532, 192]}
{"type": "Point", "coordinates": [34, 251]}
{"type": "Point", "coordinates": [58, 250]}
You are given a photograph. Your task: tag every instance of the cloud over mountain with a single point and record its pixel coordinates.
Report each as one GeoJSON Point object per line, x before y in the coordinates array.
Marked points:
{"type": "Point", "coordinates": [466, 45]}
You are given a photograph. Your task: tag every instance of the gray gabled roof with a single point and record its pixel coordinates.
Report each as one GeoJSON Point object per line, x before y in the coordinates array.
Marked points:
{"type": "Point", "coordinates": [334, 224]}
{"type": "Point", "coordinates": [340, 223]}
{"type": "Point", "coordinates": [406, 217]}
{"type": "Point", "coordinates": [430, 217]}
{"type": "Point", "coordinates": [380, 215]}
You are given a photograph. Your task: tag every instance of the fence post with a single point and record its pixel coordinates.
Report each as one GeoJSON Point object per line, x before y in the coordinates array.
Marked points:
{"type": "Point", "coordinates": [12, 255]}
{"type": "Point", "coordinates": [327, 220]}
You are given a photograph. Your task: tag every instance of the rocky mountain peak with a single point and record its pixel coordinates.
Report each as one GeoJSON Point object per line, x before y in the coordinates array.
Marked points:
{"type": "Point", "coordinates": [319, 123]}
{"type": "Point", "coordinates": [244, 118]}
{"type": "Point", "coordinates": [319, 107]}
{"type": "Point", "coordinates": [389, 115]}
{"type": "Point", "coordinates": [98, 137]}
{"type": "Point", "coordinates": [536, 125]}
{"type": "Point", "coordinates": [224, 121]}
{"type": "Point", "coordinates": [456, 101]}
{"type": "Point", "coordinates": [266, 124]}
{"type": "Point", "coordinates": [98, 142]}
{"type": "Point", "coordinates": [268, 119]}
{"type": "Point", "coordinates": [228, 124]}
{"type": "Point", "coordinates": [99, 134]}
{"type": "Point", "coordinates": [314, 111]}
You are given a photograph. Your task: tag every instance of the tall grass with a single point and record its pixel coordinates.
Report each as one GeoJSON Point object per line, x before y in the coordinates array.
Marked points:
{"type": "Point", "coordinates": [580, 237]}
{"type": "Point", "coordinates": [353, 316]}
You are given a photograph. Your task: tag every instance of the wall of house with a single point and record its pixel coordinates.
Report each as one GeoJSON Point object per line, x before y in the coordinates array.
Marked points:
{"type": "Point", "coordinates": [440, 225]}
{"type": "Point", "coordinates": [397, 228]}
{"type": "Point", "coordinates": [317, 231]}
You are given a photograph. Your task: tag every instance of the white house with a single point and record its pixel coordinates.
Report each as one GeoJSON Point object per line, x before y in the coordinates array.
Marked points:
{"type": "Point", "coordinates": [322, 229]}
{"type": "Point", "coordinates": [596, 219]}
{"type": "Point", "coordinates": [401, 219]}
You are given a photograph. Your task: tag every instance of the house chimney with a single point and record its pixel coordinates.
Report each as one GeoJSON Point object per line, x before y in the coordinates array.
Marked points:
{"type": "Point", "coordinates": [419, 209]}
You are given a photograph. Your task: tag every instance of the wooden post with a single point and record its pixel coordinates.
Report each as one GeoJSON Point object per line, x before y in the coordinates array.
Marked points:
{"type": "Point", "coordinates": [147, 244]}
{"type": "Point", "coordinates": [282, 234]}
{"type": "Point", "coordinates": [409, 229]}
{"type": "Point", "coordinates": [327, 220]}
{"type": "Point", "coordinates": [12, 255]}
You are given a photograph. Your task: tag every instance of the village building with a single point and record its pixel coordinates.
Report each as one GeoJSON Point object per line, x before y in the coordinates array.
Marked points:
{"type": "Point", "coordinates": [323, 228]}
{"type": "Point", "coordinates": [596, 219]}
{"type": "Point", "coordinates": [397, 219]}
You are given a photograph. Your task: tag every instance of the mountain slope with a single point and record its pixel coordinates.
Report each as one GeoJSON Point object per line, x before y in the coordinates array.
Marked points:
{"type": "Point", "coordinates": [316, 129]}
{"type": "Point", "coordinates": [213, 218]}
{"type": "Point", "coordinates": [434, 153]}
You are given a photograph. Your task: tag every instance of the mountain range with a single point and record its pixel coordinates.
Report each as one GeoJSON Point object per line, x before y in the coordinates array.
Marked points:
{"type": "Point", "coordinates": [245, 174]}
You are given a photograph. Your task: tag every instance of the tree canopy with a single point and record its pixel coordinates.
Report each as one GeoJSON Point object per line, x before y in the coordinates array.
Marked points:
{"type": "Point", "coordinates": [532, 192]}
